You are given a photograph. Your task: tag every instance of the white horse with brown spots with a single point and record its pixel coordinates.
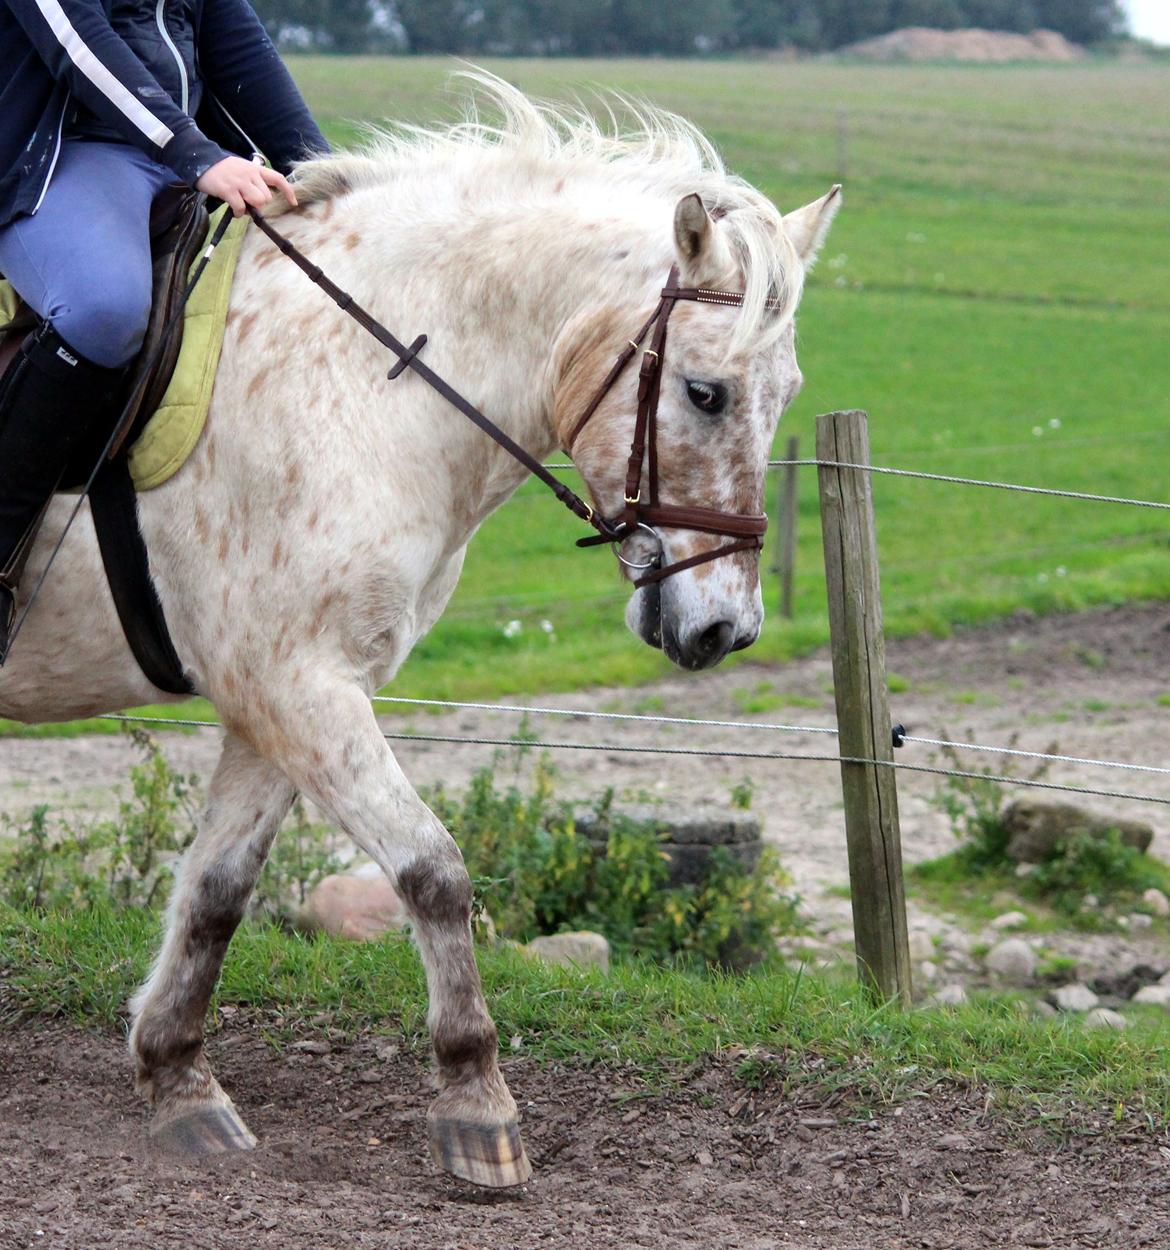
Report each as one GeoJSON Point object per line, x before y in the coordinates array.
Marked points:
{"type": "Point", "coordinates": [319, 528]}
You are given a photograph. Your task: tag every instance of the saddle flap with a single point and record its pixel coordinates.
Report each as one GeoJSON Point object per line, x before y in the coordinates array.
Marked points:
{"type": "Point", "coordinates": [179, 224]}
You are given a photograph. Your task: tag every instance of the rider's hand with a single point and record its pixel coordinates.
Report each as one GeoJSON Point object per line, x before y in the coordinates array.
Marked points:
{"type": "Point", "coordinates": [240, 183]}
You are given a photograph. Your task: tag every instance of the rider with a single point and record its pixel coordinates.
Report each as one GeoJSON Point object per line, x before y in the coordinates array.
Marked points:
{"type": "Point", "coordinates": [103, 103]}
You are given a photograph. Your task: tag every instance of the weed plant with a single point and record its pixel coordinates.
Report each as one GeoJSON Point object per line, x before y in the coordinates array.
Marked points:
{"type": "Point", "coordinates": [1082, 866]}
{"type": "Point", "coordinates": [536, 873]}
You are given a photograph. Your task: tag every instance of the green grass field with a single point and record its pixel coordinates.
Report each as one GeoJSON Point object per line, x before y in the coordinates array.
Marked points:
{"type": "Point", "coordinates": [996, 293]}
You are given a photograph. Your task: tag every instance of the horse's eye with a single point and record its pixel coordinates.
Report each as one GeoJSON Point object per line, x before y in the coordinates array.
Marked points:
{"type": "Point", "coordinates": [707, 396]}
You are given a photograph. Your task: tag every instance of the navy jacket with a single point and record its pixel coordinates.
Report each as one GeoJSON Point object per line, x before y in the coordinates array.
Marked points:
{"type": "Point", "coordinates": [187, 81]}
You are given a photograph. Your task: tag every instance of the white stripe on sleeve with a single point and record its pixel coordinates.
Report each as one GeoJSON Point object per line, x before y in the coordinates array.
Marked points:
{"type": "Point", "coordinates": [79, 53]}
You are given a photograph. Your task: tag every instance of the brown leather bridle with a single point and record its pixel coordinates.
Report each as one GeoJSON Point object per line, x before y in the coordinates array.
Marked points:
{"type": "Point", "coordinates": [646, 513]}
{"type": "Point", "coordinates": [638, 513]}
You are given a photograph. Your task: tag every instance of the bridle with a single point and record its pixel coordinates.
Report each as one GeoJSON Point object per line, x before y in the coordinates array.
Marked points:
{"type": "Point", "coordinates": [639, 513]}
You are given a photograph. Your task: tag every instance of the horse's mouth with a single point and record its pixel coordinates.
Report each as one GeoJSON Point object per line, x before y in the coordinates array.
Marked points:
{"type": "Point", "coordinates": [650, 617]}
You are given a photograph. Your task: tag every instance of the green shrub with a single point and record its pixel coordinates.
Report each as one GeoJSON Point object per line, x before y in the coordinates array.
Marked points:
{"type": "Point", "coordinates": [1083, 864]}
{"type": "Point", "coordinates": [535, 873]}
{"type": "Point", "coordinates": [130, 859]}
{"type": "Point", "coordinates": [1105, 867]}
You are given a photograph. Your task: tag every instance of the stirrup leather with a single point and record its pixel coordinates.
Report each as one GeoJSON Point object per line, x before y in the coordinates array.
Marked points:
{"type": "Point", "coordinates": [11, 573]}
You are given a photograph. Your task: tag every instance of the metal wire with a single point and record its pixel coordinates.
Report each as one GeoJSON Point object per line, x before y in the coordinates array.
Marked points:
{"type": "Point", "coordinates": [974, 481]}
{"type": "Point", "coordinates": [1037, 755]}
{"type": "Point", "coordinates": [704, 752]}
{"type": "Point", "coordinates": [954, 481]}
{"type": "Point", "coordinates": [620, 716]}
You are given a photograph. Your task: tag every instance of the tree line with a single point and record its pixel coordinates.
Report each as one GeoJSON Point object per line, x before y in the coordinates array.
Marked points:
{"type": "Point", "coordinates": [654, 27]}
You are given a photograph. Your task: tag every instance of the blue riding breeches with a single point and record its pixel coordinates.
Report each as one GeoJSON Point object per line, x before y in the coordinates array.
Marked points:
{"type": "Point", "coordinates": [82, 261]}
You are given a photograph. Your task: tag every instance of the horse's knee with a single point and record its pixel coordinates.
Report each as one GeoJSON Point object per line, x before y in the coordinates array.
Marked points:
{"type": "Point", "coordinates": [108, 326]}
{"type": "Point", "coordinates": [437, 889]}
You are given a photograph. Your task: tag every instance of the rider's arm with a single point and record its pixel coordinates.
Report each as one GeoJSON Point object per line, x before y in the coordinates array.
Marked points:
{"type": "Point", "coordinates": [248, 79]}
{"type": "Point", "coordinates": [81, 49]}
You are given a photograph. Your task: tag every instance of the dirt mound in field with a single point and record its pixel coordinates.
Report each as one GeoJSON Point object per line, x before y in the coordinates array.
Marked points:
{"type": "Point", "coordinates": [920, 43]}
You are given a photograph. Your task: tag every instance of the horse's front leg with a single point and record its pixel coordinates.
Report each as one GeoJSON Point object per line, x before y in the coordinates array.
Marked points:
{"type": "Point", "coordinates": [247, 801]}
{"type": "Point", "coordinates": [329, 743]}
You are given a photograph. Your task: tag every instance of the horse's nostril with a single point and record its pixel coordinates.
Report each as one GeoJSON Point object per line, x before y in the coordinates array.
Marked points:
{"type": "Point", "coordinates": [715, 640]}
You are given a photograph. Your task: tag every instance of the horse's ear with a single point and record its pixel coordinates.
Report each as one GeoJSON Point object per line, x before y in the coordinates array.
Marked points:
{"type": "Point", "coordinates": [808, 226]}
{"type": "Point", "coordinates": [703, 257]}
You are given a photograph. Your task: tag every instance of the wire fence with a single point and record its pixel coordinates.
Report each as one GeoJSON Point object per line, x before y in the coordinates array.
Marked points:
{"type": "Point", "coordinates": [525, 739]}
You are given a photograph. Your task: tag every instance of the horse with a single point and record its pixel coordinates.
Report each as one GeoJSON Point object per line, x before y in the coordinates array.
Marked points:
{"type": "Point", "coordinates": [319, 528]}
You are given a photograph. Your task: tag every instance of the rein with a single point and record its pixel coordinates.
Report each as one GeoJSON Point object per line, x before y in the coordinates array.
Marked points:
{"type": "Point", "coordinates": [637, 514]}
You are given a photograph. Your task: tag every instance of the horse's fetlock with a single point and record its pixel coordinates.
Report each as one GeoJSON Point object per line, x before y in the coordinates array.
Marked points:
{"type": "Point", "coordinates": [466, 1049]}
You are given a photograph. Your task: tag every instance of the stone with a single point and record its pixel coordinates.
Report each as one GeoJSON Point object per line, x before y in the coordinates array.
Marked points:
{"type": "Point", "coordinates": [1157, 902]}
{"type": "Point", "coordinates": [1139, 920]}
{"type": "Point", "coordinates": [1103, 1018]}
{"type": "Point", "coordinates": [921, 945]}
{"type": "Point", "coordinates": [1013, 960]}
{"type": "Point", "coordinates": [687, 833]}
{"type": "Point", "coordinates": [1009, 920]}
{"type": "Point", "coordinates": [359, 907]}
{"type": "Point", "coordinates": [928, 971]}
{"type": "Point", "coordinates": [571, 950]}
{"type": "Point", "coordinates": [1155, 995]}
{"type": "Point", "coordinates": [1037, 828]}
{"type": "Point", "coordinates": [1075, 997]}
{"type": "Point", "coordinates": [949, 996]}
{"type": "Point", "coordinates": [1042, 1010]}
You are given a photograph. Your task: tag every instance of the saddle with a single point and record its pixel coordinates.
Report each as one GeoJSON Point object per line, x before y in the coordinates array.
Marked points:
{"type": "Point", "coordinates": [179, 226]}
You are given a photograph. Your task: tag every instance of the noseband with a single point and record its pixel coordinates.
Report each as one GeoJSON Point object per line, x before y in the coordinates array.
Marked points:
{"type": "Point", "coordinates": [644, 511]}
{"type": "Point", "coordinates": [638, 512]}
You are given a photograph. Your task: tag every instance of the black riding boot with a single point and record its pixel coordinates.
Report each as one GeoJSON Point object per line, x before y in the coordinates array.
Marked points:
{"type": "Point", "coordinates": [50, 398]}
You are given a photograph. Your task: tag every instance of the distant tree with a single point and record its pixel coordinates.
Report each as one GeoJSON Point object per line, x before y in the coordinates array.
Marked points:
{"type": "Point", "coordinates": [943, 14]}
{"type": "Point", "coordinates": [441, 25]}
{"type": "Point", "coordinates": [680, 28]}
{"type": "Point", "coordinates": [1018, 15]}
{"type": "Point", "coordinates": [1082, 21]}
{"type": "Point", "coordinates": [773, 23]}
{"type": "Point", "coordinates": [846, 21]}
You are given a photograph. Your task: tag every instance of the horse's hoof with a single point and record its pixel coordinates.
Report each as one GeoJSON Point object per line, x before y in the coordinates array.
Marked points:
{"type": "Point", "coordinates": [491, 1155]}
{"type": "Point", "coordinates": [204, 1130]}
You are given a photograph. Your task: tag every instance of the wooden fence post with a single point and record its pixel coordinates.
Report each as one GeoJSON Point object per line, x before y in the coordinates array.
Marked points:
{"type": "Point", "coordinates": [863, 714]}
{"type": "Point", "coordinates": [787, 510]}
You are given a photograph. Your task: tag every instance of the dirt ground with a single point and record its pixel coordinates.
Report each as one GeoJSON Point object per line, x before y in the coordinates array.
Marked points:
{"type": "Point", "coordinates": [342, 1164]}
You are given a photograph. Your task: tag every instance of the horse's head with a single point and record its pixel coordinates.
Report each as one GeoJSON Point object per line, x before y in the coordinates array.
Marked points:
{"type": "Point", "coordinates": [707, 405]}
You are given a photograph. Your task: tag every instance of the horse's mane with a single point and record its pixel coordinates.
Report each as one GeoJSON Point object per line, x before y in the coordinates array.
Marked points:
{"type": "Point", "coordinates": [649, 150]}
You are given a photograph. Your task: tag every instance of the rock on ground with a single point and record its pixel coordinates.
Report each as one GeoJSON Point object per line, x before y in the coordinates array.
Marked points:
{"type": "Point", "coordinates": [1038, 828]}
{"type": "Point", "coordinates": [356, 906]}
{"type": "Point", "coordinates": [1103, 1018]}
{"type": "Point", "coordinates": [572, 950]}
{"type": "Point", "coordinates": [1075, 997]}
{"type": "Point", "coordinates": [1157, 902]}
{"type": "Point", "coordinates": [1154, 995]}
{"type": "Point", "coordinates": [1013, 960]}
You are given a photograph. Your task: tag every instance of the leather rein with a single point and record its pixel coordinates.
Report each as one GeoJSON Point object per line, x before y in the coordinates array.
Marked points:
{"type": "Point", "coordinates": [639, 512]}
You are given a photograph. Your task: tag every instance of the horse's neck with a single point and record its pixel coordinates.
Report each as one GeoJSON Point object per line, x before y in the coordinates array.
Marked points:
{"type": "Point", "coordinates": [496, 295]}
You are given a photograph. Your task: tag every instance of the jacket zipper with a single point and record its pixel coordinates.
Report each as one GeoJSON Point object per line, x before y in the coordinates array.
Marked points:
{"type": "Point", "coordinates": [162, 30]}
{"type": "Point", "coordinates": [243, 133]}
{"type": "Point", "coordinates": [56, 154]}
